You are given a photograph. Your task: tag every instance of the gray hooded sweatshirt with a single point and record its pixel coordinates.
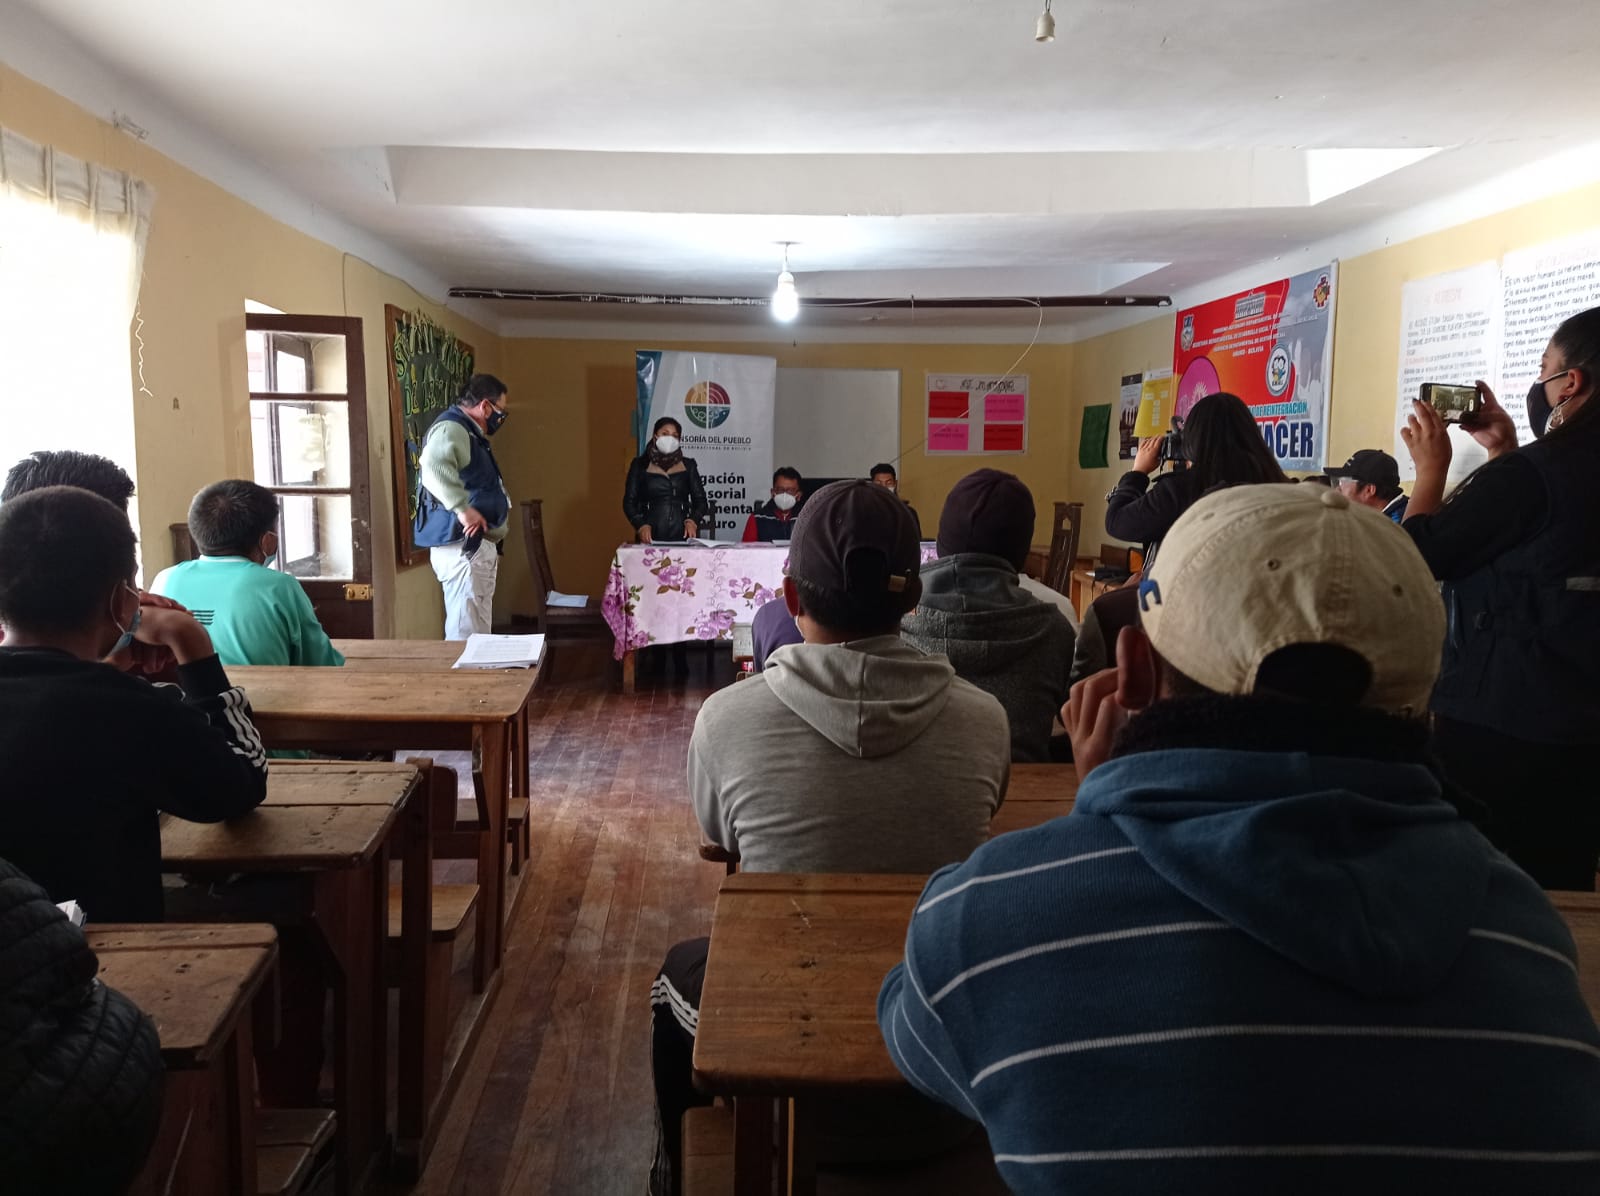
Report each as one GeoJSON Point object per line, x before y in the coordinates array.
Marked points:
{"type": "Point", "coordinates": [1000, 638]}
{"type": "Point", "coordinates": [862, 757]}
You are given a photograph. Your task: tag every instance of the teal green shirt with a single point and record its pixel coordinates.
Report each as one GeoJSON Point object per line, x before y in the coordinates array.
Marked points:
{"type": "Point", "coordinates": [255, 615]}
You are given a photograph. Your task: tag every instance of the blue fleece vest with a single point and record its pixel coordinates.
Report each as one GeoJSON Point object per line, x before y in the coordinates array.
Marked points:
{"type": "Point", "coordinates": [435, 524]}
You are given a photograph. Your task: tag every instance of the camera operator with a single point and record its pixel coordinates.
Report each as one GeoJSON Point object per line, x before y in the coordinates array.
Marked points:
{"type": "Point", "coordinates": [1517, 705]}
{"type": "Point", "coordinates": [1223, 447]}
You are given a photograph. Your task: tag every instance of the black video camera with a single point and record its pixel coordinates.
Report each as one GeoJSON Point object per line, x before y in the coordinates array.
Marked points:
{"type": "Point", "coordinates": [1172, 447]}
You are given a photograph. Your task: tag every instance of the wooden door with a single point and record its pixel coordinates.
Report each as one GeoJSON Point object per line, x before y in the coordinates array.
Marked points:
{"type": "Point", "coordinates": [308, 440]}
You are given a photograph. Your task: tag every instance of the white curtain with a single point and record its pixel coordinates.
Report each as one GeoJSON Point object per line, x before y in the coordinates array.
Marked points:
{"type": "Point", "coordinates": [72, 238]}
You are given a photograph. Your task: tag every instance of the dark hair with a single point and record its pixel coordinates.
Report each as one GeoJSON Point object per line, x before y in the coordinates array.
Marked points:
{"type": "Point", "coordinates": [229, 518]}
{"type": "Point", "coordinates": [786, 471]}
{"type": "Point", "coordinates": [1321, 674]}
{"type": "Point", "coordinates": [62, 551]}
{"type": "Point", "coordinates": [882, 467]}
{"type": "Point", "coordinates": [67, 468]}
{"type": "Point", "coordinates": [1223, 440]}
{"type": "Point", "coordinates": [663, 422]}
{"type": "Point", "coordinates": [479, 388]}
{"type": "Point", "coordinates": [1578, 342]}
{"type": "Point", "coordinates": [1319, 479]}
{"type": "Point", "coordinates": [848, 612]}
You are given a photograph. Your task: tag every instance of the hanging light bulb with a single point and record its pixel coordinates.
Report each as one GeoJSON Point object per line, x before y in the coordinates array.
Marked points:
{"type": "Point", "coordinates": [1045, 29]}
{"type": "Point", "coordinates": [785, 300]}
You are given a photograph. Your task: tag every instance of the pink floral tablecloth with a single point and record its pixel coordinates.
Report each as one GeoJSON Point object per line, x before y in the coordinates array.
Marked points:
{"type": "Point", "coordinates": [670, 594]}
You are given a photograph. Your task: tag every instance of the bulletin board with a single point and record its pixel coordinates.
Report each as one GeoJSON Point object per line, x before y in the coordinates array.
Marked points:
{"type": "Point", "coordinates": [428, 371]}
{"type": "Point", "coordinates": [977, 414]}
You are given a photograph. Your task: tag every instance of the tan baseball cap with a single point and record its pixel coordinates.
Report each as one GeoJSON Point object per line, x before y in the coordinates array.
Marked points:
{"type": "Point", "coordinates": [1253, 569]}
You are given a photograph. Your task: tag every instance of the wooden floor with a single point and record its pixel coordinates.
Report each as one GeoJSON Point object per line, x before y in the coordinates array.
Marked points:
{"type": "Point", "coordinates": [557, 1098]}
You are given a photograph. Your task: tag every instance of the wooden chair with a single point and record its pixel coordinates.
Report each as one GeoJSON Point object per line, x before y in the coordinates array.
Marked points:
{"type": "Point", "coordinates": [183, 546]}
{"type": "Point", "coordinates": [708, 1151]}
{"type": "Point", "coordinates": [288, 1142]}
{"type": "Point", "coordinates": [1064, 535]}
{"type": "Point", "coordinates": [570, 622]}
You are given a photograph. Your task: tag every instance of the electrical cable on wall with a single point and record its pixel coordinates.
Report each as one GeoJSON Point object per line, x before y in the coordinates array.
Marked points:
{"type": "Point", "coordinates": [138, 337]}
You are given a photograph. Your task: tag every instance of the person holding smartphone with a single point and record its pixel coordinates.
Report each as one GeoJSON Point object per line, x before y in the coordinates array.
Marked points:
{"type": "Point", "coordinates": [1517, 546]}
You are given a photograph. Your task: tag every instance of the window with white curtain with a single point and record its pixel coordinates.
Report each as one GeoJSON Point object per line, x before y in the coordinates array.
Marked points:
{"type": "Point", "coordinates": [72, 239]}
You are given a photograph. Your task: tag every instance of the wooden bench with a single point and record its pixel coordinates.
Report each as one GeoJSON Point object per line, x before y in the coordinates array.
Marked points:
{"type": "Point", "coordinates": [288, 1142]}
{"type": "Point", "coordinates": [707, 1161]}
{"type": "Point", "coordinates": [453, 909]}
{"type": "Point", "coordinates": [518, 832]}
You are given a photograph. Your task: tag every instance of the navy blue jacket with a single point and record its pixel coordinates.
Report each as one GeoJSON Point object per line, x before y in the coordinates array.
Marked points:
{"type": "Point", "coordinates": [436, 524]}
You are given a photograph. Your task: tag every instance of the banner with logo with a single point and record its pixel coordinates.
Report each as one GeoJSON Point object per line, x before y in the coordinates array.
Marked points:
{"type": "Point", "coordinates": [725, 406]}
{"type": "Point", "coordinates": [1273, 347]}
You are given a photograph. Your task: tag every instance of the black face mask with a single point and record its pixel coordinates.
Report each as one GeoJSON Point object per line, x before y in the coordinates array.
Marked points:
{"type": "Point", "coordinates": [1538, 409]}
{"type": "Point", "coordinates": [496, 418]}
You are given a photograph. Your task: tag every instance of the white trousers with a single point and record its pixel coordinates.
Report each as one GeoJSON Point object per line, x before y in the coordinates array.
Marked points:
{"type": "Point", "coordinates": [468, 588]}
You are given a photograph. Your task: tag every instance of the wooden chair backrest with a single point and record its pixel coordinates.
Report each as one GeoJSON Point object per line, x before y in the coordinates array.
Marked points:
{"type": "Point", "coordinates": [183, 546]}
{"type": "Point", "coordinates": [538, 554]}
{"type": "Point", "coordinates": [1064, 535]}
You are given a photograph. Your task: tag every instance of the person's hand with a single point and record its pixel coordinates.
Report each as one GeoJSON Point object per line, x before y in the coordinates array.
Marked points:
{"type": "Point", "coordinates": [1092, 717]}
{"type": "Point", "coordinates": [1491, 427]}
{"type": "Point", "coordinates": [472, 521]}
{"type": "Point", "coordinates": [147, 659]}
{"type": "Point", "coordinates": [691, 529]}
{"type": "Point", "coordinates": [175, 630]}
{"type": "Point", "coordinates": [1148, 458]}
{"type": "Point", "coordinates": [1427, 439]}
{"type": "Point", "coordinates": [644, 534]}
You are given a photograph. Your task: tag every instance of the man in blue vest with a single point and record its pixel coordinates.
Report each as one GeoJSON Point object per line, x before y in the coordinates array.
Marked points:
{"type": "Point", "coordinates": [462, 502]}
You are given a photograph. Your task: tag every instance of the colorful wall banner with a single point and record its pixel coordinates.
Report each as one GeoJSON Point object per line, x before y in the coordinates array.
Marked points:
{"type": "Point", "coordinates": [1128, 415]}
{"type": "Point", "coordinates": [725, 406]}
{"type": "Point", "coordinates": [1273, 347]}
{"type": "Point", "coordinates": [977, 413]}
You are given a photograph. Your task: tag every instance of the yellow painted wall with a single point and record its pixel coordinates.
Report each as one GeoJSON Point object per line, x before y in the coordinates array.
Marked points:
{"type": "Point", "coordinates": [572, 435]}
{"type": "Point", "coordinates": [1366, 349]}
{"type": "Point", "coordinates": [208, 252]}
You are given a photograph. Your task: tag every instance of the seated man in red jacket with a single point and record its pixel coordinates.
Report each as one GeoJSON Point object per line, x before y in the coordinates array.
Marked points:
{"type": "Point", "coordinates": [774, 519]}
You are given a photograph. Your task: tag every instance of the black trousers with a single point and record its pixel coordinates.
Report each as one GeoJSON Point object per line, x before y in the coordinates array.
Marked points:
{"type": "Point", "coordinates": [674, 1017]}
{"type": "Point", "coordinates": [1543, 799]}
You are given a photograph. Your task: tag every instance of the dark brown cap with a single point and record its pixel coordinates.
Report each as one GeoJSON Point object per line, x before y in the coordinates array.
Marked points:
{"type": "Point", "coordinates": [988, 511]}
{"type": "Point", "coordinates": [855, 537]}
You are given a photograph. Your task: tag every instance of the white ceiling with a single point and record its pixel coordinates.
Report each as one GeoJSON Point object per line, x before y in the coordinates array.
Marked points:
{"type": "Point", "coordinates": [906, 147]}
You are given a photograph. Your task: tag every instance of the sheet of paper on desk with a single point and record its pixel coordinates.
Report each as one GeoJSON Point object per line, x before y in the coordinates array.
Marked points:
{"type": "Point", "coordinates": [501, 652]}
{"type": "Point", "coordinates": [557, 598]}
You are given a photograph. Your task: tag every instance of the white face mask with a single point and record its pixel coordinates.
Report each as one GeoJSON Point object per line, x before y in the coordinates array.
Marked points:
{"type": "Point", "coordinates": [666, 445]}
{"type": "Point", "coordinates": [783, 501]}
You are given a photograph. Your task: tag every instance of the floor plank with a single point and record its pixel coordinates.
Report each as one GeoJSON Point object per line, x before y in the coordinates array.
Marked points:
{"type": "Point", "coordinates": [557, 1098]}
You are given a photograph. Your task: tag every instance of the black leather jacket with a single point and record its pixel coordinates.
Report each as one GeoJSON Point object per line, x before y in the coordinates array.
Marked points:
{"type": "Point", "coordinates": [664, 501]}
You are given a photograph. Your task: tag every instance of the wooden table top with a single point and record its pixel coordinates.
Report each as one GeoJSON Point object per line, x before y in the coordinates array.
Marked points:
{"type": "Point", "coordinates": [791, 986]}
{"type": "Point", "coordinates": [318, 816]}
{"type": "Point", "coordinates": [1581, 911]}
{"type": "Point", "coordinates": [195, 982]}
{"type": "Point", "coordinates": [357, 696]}
{"type": "Point", "coordinates": [1042, 782]}
{"type": "Point", "coordinates": [427, 650]}
{"type": "Point", "coordinates": [1024, 815]}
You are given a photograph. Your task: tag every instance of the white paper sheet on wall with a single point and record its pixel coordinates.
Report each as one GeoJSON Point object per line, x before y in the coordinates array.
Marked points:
{"type": "Point", "coordinates": [1541, 287]}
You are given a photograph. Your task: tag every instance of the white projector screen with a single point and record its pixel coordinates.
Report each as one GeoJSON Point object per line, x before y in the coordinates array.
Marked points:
{"type": "Point", "coordinates": [836, 423]}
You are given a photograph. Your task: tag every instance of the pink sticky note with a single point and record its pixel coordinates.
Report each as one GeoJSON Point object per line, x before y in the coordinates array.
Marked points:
{"type": "Point", "coordinates": [947, 438]}
{"type": "Point", "coordinates": [1005, 408]}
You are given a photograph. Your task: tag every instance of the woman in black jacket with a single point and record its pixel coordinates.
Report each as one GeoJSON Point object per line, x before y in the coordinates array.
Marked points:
{"type": "Point", "coordinates": [1516, 711]}
{"type": "Point", "coordinates": [80, 1065]}
{"type": "Point", "coordinates": [664, 499]}
{"type": "Point", "coordinates": [1224, 447]}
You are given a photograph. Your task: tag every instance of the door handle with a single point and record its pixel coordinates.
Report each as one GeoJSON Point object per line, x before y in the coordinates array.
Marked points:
{"type": "Point", "coordinates": [357, 592]}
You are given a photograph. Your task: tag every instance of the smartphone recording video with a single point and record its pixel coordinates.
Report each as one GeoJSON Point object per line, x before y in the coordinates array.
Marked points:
{"type": "Point", "coordinates": [1453, 403]}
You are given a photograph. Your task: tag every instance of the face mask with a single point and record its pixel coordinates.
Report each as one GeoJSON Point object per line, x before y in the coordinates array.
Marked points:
{"type": "Point", "coordinates": [268, 558]}
{"type": "Point", "coordinates": [496, 418]}
{"type": "Point", "coordinates": [126, 637]}
{"type": "Point", "coordinates": [666, 445]}
{"type": "Point", "coordinates": [1541, 416]}
{"type": "Point", "coordinates": [783, 501]}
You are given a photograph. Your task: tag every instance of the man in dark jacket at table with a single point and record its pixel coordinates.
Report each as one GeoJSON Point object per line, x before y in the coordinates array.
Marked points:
{"type": "Point", "coordinates": [972, 610]}
{"type": "Point", "coordinates": [80, 1065]}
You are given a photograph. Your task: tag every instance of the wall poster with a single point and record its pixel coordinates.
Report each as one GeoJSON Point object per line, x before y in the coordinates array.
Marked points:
{"type": "Point", "coordinates": [977, 413]}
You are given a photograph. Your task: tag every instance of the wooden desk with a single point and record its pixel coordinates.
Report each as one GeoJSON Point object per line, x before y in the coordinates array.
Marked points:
{"type": "Point", "coordinates": [789, 1007]}
{"type": "Point", "coordinates": [329, 825]}
{"type": "Point", "coordinates": [456, 710]}
{"type": "Point", "coordinates": [197, 984]}
{"type": "Point", "coordinates": [1025, 815]}
{"type": "Point", "coordinates": [423, 656]}
{"type": "Point", "coordinates": [1581, 911]}
{"type": "Point", "coordinates": [1042, 782]}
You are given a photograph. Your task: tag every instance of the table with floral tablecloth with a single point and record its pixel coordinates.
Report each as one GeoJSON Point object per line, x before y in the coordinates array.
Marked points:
{"type": "Point", "coordinates": [668, 594]}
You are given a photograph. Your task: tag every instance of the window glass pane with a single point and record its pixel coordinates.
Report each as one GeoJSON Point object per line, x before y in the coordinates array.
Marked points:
{"type": "Point", "coordinates": [255, 356]}
{"type": "Point", "coordinates": [317, 536]}
{"type": "Point", "coordinates": [300, 444]}
{"type": "Point", "coordinates": [297, 363]}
